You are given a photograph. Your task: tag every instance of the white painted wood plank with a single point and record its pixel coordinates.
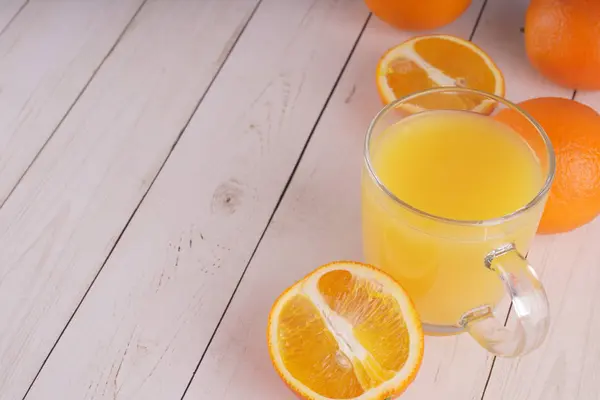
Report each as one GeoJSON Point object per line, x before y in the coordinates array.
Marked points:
{"type": "Point", "coordinates": [47, 56]}
{"type": "Point", "coordinates": [60, 223]}
{"type": "Point", "coordinates": [144, 325]}
{"type": "Point", "coordinates": [566, 366]}
{"type": "Point", "coordinates": [318, 221]}
{"type": "Point", "coordinates": [8, 9]}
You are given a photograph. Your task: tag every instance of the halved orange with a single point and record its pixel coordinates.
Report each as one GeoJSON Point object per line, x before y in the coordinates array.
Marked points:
{"type": "Point", "coordinates": [426, 62]}
{"type": "Point", "coordinates": [345, 331]}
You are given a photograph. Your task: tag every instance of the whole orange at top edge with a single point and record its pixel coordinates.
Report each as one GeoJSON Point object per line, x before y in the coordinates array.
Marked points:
{"type": "Point", "coordinates": [418, 14]}
{"type": "Point", "coordinates": [574, 130]}
{"type": "Point", "coordinates": [562, 38]}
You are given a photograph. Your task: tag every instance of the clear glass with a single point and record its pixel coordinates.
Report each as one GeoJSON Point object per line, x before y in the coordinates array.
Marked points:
{"type": "Point", "coordinates": [457, 271]}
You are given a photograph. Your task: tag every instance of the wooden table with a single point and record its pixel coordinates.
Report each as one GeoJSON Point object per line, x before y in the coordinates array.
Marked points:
{"type": "Point", "coordinates": [167, 167]}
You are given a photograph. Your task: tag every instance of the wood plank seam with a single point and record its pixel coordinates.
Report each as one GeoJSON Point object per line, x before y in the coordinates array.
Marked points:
{"type": "Point", "coordinates": [481, 10]}
{"type": "Point", "coordinates": [489, 377]}
{"type": "Point", "coordinates": [281, 196]}
{"type": "Point", "coordinates": [224, 60]}
{"type": "Point", "coordinates": [75, 100]}
{"type": "Point", "coordinates": [5, 27]}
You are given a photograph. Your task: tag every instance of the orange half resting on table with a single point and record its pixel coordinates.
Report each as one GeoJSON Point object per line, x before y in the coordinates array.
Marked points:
{"type": "Point", "coordinates": [426, 62]}
{"type": "Point", "coordinates": [345, 331]}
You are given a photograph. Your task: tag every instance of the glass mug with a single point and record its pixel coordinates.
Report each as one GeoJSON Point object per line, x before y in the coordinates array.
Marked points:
{"type": "Point", "coordinates": [457, 271]}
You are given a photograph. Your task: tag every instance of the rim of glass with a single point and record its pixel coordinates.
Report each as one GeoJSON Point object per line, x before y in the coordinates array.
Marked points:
{"type": "Point", "coordinates": [493, 221]}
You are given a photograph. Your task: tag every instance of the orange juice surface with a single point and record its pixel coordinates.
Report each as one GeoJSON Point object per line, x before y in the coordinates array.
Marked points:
{"type": "Point", "coordinates": [456, 165]}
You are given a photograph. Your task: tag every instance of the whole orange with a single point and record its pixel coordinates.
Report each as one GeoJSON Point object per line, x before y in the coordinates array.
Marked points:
{"type": "Point", "coordinates": [574, 130]}
{"type": "Point", "coordinates": [418, 14]}
{"type": "Point", "coordinates": [562, 38]}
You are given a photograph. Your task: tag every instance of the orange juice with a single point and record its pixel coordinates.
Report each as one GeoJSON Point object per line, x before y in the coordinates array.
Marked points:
{"type": "Point", "coordinates": [459, 166]}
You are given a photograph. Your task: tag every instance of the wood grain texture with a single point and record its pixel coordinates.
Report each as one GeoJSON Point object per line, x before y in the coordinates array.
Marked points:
{"type": "Point", "coordinates": [64, 217]}
{"type": "Point", "coordinates": [317, 222]}
{"type": "Point", "coordinates": [47, 56]}
{"type": "Point", "coordinates": [146, 321]}
{"type": "Point", "coordinates": [566, 366]}
{"type": "Point", "coordinates": [8, 10]}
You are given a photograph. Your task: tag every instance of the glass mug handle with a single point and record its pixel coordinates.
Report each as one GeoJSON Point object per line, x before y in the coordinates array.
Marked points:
{"type": "Point", "coordinates": [529, 303]}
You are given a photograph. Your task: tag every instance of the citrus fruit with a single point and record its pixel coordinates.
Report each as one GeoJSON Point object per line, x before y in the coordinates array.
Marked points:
{"type": "Point", "coordinates": [574, 130]}
{"type": "Point", "coordinates": [562, 38]}
{"type": "Point", "coordinates": [418, 15]}
{"type": "Point", "coordinates": [345, 331]}
{"type": "Point", "coordinates": [431, 61]}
